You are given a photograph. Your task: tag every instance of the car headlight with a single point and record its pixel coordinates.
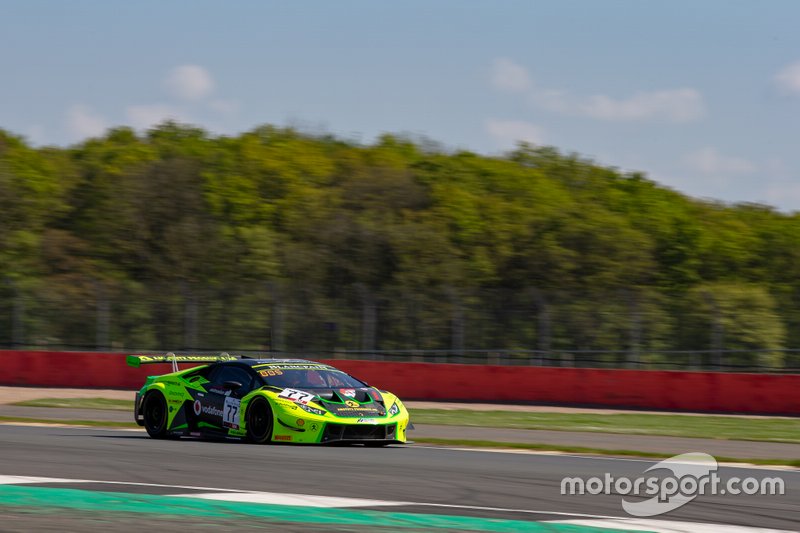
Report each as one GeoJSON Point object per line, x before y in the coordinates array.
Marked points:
{"type": "Point", "coordinates": [312, 410]}
{"type": "Point", "coordinates": [394, 409]}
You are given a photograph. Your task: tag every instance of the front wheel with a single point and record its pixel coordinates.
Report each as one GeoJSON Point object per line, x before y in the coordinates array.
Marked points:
{"type": "Point", "coordinates": [155, 415]}
{"type": "Point", "coordinates": [259, 421]}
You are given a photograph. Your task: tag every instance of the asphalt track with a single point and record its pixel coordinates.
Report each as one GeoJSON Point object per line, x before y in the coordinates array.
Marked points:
{"type": "Point", "coordinates": [516, 486]}
{"type": "Point", "coordinates": [607, 441]}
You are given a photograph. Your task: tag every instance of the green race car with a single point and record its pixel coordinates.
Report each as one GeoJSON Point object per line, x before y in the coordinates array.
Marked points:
{"type": "Point", "coordinates": [266, 400]}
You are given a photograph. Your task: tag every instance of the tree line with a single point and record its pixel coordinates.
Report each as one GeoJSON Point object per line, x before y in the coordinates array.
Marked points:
{"type": "Point", "coordinates": [153, 240]}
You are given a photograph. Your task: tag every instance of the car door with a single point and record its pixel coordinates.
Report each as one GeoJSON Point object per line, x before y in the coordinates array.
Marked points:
{"type": "Point", "coordinates": [220, 406]}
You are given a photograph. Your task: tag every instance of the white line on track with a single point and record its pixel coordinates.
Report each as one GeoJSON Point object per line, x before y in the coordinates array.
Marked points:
{"type": "Point", "coordinates": [666, 526]}
{"type": "Point", "coordinates": [21, 480]}
{"type": "Point", "coordinates": [284, 498]}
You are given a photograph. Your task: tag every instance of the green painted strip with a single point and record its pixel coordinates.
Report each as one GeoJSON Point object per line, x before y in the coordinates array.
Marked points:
{"type": "Point", "coordinates": [21, 496]}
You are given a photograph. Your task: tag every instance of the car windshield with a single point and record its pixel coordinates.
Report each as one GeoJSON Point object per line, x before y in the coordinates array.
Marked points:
{"type": "Point", "coordinates": [309, 379]}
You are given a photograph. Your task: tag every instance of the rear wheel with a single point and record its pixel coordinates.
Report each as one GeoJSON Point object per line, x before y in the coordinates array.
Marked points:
{"type": "Point", "coordinates": [259, 421]}
{"type": "Point", "coordinates": [155, 415]}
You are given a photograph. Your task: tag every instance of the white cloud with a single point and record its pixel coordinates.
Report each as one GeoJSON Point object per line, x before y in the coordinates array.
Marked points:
{"type": "Point", "coordinates": [190, 82]}
{"type": "Point", "coordinates": [508, 132]}
{"type": "Point", "coordinates": [509, 76]}
{"type": "Point", "coordinates": [670, 105]}
{"type": "Point", "coordinates": [788, 79]}
{"type": "Point", "coordinates": [709, 161]}
{"type": "Point", "coordinates": [82, 122]}
{"type": "Point", "coordinates": [146, 116]}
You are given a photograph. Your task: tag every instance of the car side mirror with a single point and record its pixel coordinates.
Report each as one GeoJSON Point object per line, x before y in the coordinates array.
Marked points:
{"type": "Point", "coordinates": [232, 385]}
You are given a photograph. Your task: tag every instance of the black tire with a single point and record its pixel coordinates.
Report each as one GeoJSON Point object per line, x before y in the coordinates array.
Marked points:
{"type": "Point", "coordinates": [154, 409]}
{"type": "Point", "coordinates": [259, 421]}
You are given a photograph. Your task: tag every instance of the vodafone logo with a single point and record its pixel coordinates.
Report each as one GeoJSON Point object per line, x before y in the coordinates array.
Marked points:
{"type": "Point", "coordinates": [197, 407]}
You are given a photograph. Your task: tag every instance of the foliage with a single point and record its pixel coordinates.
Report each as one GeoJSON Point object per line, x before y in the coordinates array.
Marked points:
{"type": "Point", "coordinates": [202, 241]}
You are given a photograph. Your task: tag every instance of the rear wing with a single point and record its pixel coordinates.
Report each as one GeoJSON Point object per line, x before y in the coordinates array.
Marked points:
{"type": "Point", "coordinates": [138, 360]}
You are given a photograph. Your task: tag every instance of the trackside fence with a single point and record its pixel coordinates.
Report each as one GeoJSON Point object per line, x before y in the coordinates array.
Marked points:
{"type": "Point", "coordinates": [634, 327]}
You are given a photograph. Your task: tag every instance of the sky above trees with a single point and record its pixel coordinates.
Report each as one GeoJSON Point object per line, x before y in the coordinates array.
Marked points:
{"type": "Point", "coordinates": [701, 96]}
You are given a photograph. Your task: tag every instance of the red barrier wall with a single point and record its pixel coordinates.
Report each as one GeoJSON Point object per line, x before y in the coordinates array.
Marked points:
{"type": "Point", "coordinates": [644, 389]}
{"type": "Point", "coordinates": [74, 370]}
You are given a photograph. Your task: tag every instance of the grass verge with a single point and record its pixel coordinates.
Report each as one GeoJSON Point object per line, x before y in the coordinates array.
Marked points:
{"type": "Point", "coordinates": [80, 403]}
{"type": "Point", "coordinates": [703, 426]}
{"type": "Point", "coordinates": [93, 423]}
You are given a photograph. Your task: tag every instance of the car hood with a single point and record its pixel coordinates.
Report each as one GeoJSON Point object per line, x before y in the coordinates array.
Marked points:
{"type": "Point", "coordinates": [360, 402]}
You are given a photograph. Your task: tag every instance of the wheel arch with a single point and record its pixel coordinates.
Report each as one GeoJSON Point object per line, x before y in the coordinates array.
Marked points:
{"type": "Point", "coordinates": [144, 391]}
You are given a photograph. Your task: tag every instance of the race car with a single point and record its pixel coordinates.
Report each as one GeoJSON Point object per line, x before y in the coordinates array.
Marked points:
{"type": "Point", "coordinates": [265, 400]}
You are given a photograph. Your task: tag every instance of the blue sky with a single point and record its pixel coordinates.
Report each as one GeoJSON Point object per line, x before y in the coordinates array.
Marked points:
{"type": "Point", "coordinates": [704, 97]}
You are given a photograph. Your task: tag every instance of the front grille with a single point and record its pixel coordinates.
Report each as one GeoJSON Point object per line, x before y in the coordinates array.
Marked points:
{"type": "Point", "coordinates": [335, 432]}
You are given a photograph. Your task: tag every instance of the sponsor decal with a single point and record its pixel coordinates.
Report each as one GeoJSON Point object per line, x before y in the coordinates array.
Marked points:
{"type": "Point", "coordinates": [211, 410]}
{"type": "Point", "coordinates": [362, 411]}
{"type": "Point", "coordinates": [301, 422]}
{"type": "Point", "coordinates": [298, 366]}
{"type": "Point", "coordinates": [351, 403]}
{"type": "Point", "coordinates": [350, 393]}
{"type": "Point", "coordinates": [184, 358]}
{"type": "Point", "coordinates": [283, 437]}
{"type": "Point", "coordinates": [367, 421]}
{"type": "Point", "coordinates": [309, 409]}
{"type": "Point", "coordinates": [296, 396]}
{"type": "Point", "coordinates": [289, 426]}
{"type": "Point", "coordinates": [230, 417]}
{"type": "Point", "coordinates": [197, 407]}
{"type": "Point", "coordinates": [221, 392]}
{"type": "Point", "coordinates": [313, 427]}
{"type": "Point", "coordinates": [270, 372]}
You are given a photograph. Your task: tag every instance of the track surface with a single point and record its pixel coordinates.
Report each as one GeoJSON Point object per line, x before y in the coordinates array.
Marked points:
{"type": "Point", "coordinates": [608, 441]}
{"type": "Point", "coordinates": [413, 473]}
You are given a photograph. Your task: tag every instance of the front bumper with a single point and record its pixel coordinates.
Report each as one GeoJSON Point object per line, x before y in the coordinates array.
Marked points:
{"type": "Point", "coordinates": [311, 429]}
{"type": "Point", "coordinates": [334, 432]}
